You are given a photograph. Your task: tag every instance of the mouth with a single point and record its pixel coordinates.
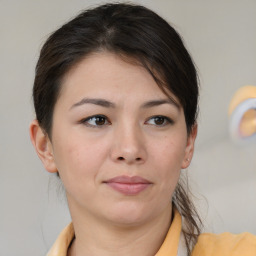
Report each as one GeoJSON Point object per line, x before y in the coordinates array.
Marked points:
{"type": "Point", "coordinates": [129, 186]}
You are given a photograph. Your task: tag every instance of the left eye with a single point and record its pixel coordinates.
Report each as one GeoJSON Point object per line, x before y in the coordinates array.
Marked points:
{"type": "Point", "coordinates": [96, 121]}
{"type": "Point", "coordinates": [159, 121]}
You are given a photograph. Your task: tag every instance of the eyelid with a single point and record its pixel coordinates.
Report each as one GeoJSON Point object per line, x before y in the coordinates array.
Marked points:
{"type": "Point", "coordinates": [167, 120]}
{"type": "Point", "coordinates": [84, 121]}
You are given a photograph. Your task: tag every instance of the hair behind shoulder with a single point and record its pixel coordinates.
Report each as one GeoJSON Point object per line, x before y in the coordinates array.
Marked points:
{"type": "Point", "coordinates": [192, 223]}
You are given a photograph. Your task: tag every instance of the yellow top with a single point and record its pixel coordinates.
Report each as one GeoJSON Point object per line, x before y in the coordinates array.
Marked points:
{"type": "Point", "coordinates": [225, 244]}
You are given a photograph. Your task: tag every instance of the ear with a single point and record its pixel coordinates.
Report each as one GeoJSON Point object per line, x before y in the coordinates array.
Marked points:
{"type": "Point", "coordinates": [43, 146]}
{"type": "Point", "coordinates": [189, 151]}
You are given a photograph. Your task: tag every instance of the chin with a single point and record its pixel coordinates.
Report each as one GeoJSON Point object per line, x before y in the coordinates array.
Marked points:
{"type": "Point", "coordinates": [129, 214]}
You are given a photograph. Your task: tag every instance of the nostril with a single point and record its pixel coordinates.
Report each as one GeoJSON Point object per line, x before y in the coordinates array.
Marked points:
{"type": "Point", "coordinates": [137, 159]}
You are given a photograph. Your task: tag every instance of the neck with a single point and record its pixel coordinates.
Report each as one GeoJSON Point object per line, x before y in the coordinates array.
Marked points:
{"type": "Point", "coordinates": [94, 237]}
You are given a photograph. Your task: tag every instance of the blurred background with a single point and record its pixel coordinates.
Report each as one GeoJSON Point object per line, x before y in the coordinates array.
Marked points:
{"type": "Point", "coordinates": [220, 35]}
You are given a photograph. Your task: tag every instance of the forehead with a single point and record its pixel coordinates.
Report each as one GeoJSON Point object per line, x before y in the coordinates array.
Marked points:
{"type": "Point", "coordinates": [107, 75]}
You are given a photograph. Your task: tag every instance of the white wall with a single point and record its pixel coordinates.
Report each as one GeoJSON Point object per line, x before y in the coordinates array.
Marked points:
{"type": "Point", "coordinates": [221, 35]}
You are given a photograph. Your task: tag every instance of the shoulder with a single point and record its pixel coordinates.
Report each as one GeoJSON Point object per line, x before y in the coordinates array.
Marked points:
{"type": "Point", "coordinates": [225, 244]}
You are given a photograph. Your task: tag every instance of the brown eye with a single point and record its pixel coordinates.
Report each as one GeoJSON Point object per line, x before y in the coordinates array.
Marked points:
{"type": "Point", "coordinates": [95, 121]}
{"type": "Point", "coordinates": [159, 121]}
{"type": "Point", "coordinates": [100, 120]}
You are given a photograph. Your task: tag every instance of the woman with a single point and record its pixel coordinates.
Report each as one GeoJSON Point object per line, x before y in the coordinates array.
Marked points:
{"type": "Point", "coordinates": [115, 96]}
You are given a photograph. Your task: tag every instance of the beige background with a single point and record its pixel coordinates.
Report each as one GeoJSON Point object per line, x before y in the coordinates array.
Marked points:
{"type": "Point", "coordinates": [220, 34]}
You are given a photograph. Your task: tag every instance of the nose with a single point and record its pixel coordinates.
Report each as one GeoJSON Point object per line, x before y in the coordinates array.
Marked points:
{"type": "Point", "coordinates": [128, 145]}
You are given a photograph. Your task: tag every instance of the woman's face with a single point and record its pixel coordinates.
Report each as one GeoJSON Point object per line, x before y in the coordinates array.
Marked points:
{"type": "Point", "coordinates": [118, 142]}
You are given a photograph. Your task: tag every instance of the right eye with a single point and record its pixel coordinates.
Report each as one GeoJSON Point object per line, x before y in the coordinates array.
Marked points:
{"type": "Point", "coordinates": [95, 121]}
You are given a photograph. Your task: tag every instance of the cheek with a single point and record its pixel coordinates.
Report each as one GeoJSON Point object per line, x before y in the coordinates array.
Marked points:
{"type": "Point", "coordinates": [171, 151]}
{"type": "Point", "coordinates": [77, 157]}
{"type": "Point", "coordinates": [77, 167]}
{"type": "Point", "coordinates": [168, 158]}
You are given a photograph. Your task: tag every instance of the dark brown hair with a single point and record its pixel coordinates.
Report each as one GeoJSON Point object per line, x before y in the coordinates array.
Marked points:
{"type": "Point", "coordinates": [132, 32]}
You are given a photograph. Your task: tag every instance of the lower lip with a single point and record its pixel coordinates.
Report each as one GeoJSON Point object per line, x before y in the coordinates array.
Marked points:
{"type": "Point", "coordinates": [129, 189]}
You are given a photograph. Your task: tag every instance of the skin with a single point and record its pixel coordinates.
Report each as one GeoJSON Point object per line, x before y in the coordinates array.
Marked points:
{"type": "Point", "coordinates": [129, 140]}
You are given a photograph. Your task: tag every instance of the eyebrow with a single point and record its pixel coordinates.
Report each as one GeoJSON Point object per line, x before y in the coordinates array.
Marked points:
{"type": "Point", "coordinates": [109, 104]}
{"type": "Point", "coordinates": [154, 103]}
{"type": "Point", "coordinates": [99, 102]}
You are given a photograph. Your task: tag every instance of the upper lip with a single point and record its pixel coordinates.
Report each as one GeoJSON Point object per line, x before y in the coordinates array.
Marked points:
{"type": "Point", "coordinates": [128, 180]}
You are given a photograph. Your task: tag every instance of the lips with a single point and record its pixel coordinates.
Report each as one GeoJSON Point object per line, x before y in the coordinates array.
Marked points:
{"type": "Point", "coordinates": [128, 185]}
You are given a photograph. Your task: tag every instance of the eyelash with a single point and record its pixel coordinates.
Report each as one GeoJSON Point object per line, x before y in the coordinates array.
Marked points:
{"type": "Point", "coordinates": [167, 120]}
{"type": "Point", "coordinates": [86, 121]}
